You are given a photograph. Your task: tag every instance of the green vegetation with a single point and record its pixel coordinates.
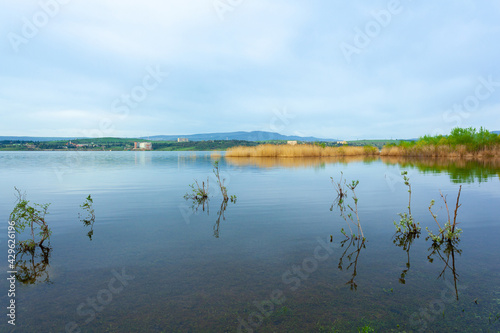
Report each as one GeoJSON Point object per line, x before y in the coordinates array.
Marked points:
{"type": "Point", "coordinates": [89, 220]}
{"type": "Point", "coordinates": [199, 197]}
{"type": "Point", "coordinates": [200, 145]}
{"type": "Point", "coordinates": [407, 223]}
{"type": "Point", "coordinates": [460, 142]}
{"type": "Point", "coordinates": [220, 182]}
{"type": "Point", "coordinates": [198, 193]}
{"type": "Point", "coordinates": [407, 230]}
{"type": "Point", "coordinates": [120, 144]}
{"type": "Point", "coordinates": [469, 137]}
{"type": "Point", "coordinates": [31, 216]}
{"type": "Point", "coordinates": [365, 329]}
{"type": "Point", "coordinates": [379, 144]}
{"type": "Point", "coordinates": [450, 232]}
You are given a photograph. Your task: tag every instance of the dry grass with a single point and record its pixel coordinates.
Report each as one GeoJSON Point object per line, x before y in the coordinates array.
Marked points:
{"type": "Point", "coordinates": [440, 151]}
{"type": "Point", "coordinates": [286, 151]}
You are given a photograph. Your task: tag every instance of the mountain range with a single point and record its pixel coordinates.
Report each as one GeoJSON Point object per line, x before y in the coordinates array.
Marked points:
{"type": "Point", "coordinates": [246, 136]}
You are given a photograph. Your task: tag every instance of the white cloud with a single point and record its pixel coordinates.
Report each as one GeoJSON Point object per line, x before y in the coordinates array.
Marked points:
{"type": "Point", "coordinates": [229, 75]}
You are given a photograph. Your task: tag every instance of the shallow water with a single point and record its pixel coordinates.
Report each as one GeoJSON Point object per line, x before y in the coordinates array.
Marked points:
{"type": "Point", "coordinates": [266, 263]}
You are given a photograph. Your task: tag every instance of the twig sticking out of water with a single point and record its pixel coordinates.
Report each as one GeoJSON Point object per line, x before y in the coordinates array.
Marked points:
{"type": "Point", "coordinates": [407, 224]}
{"type": "Point", "coordinates": [450, 232]}
{"type": "Point", "coordinates": [223, 189]}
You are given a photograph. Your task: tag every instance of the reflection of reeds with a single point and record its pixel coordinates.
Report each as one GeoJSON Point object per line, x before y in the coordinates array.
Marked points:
{"type": "Point", "coordinates": [461, 170]}
{"type": "Point", "coordinates": [268, 150]}
{"type": "Point", "coordinates": [215, 155]}
{"type": "Point", "coordinates": [440, 151]}
{"type": "Point", "coordinates": [272, 162]}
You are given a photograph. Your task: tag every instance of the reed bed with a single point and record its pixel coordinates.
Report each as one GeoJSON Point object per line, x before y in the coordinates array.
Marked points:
{"type": "Point", "coordinates": [288, 151]}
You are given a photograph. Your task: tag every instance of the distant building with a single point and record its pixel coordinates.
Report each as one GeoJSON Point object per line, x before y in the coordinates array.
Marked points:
{"type": "Point", "coordinates": [341, 142]}
{"type": "Point", "coordinates": [143, 145]}
{"type": "Point", "coordinates": [291, 143]}
{"type": "Point", "coordinates": [182, 140]}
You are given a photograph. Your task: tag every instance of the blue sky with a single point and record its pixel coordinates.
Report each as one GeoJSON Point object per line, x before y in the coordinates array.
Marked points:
{"type": "Point", "coordinates": [330, 69]}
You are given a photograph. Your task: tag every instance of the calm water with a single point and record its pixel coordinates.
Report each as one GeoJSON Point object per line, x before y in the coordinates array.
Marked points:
{"type": "Point", "coordinates": [265, 263]}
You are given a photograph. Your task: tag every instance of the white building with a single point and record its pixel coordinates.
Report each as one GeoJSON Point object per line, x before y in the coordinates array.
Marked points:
{"type": "Point", "coordinates": [143, 145]}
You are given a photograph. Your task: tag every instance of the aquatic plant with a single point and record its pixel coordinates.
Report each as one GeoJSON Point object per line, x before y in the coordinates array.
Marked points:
{"type": "Point", "coordinates": [31, 216]}
{"type": "Point", "coordinates": [449, 232]}
{"type": "Point", "coordinates": [199, 197]}
{"type": "Point", "coordinates": [220, 182]}
{"type": "Point", "coordinates": [407, 230]}
{"type": "Point", "coordinates": [89, 220]}
{"type": "Point", "coordinates": [342, 190]}
{"type": "Point", "coordinates": [365, 329]}
{"type": "Point", "coordinates": [407, 223]}
{"type": "Point", "coordinates": [198, 193]}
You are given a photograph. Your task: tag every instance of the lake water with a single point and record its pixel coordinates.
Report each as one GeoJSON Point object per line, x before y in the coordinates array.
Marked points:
{"type": "Point", "coordinates": [274, 261]}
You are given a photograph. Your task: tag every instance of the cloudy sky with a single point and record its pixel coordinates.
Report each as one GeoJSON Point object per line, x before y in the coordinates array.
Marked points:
{"type": "Point", "coordinates": [330, 69]}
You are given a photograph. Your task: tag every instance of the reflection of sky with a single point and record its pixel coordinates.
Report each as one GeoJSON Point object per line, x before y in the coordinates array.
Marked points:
{"type": "Point", "coordinates": [277, 220]}
{"type": "Point", "coordinates": [130, 180]}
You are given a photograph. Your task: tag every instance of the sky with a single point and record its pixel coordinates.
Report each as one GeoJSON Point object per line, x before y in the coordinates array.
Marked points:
{"type": "Point", "coordinates": [329, 69]}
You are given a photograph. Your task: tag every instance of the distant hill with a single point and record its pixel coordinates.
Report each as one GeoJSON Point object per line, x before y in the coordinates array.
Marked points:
{"type": "Point", "coordinates": [246, 136]}
{"type": "Point", "coordinates": [496, 132]}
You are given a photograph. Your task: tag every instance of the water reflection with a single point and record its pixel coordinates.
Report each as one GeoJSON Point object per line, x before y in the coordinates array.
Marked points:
{"type": "Point", "coordinates": [446, 252]}
{"type": "Point", "coordinates": [89, 220]}
{"type": "Point", "coordinates": [203, 203]}
{"type": "Point", "coordinates": [31, 265]}
{"type": "Point", "coordinates": [296, 162]}
{"type": "Point", "coordinates": [405, 240]}
{"type": "Point", "coordinates": [460, 170]}
{"type": "Point", "coordinates": [220, 213]}
{"type": "Point", "coordinates": [352, 258]}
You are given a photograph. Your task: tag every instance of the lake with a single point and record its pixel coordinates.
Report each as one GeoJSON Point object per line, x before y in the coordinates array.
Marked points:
{"type": "Point", "coordinates": [274, 261]}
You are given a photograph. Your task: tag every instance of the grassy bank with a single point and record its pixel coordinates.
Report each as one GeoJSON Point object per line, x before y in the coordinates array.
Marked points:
{"type": "Point", "coordinates": [306, 150]}
{"type": "Point", "coordinates": [462, 142]}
